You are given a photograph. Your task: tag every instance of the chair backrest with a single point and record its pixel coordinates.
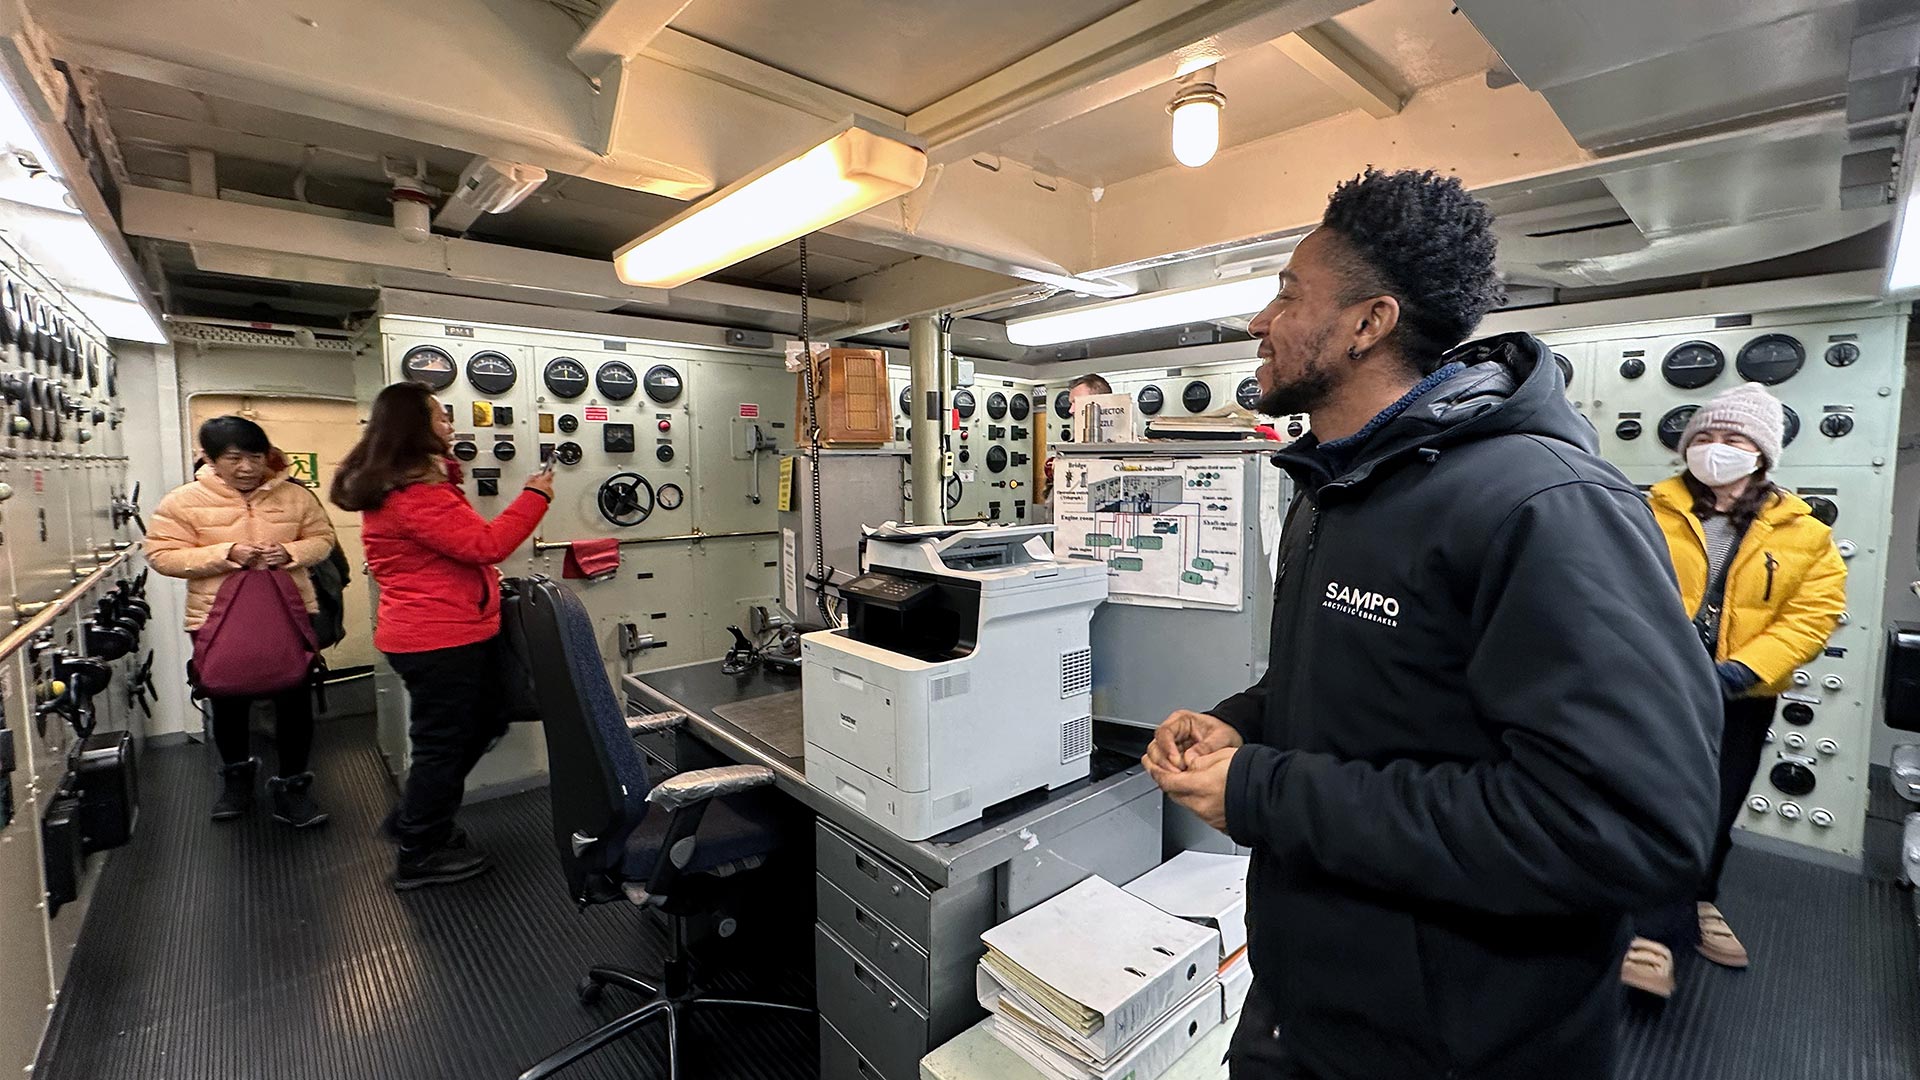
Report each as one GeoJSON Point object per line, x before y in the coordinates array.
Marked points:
{"type": "Point", "coordinates": [598, 779]}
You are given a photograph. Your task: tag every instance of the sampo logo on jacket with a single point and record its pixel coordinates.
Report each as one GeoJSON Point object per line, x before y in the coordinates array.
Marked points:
{"type": "Point", "coordinates": [1361, 604]}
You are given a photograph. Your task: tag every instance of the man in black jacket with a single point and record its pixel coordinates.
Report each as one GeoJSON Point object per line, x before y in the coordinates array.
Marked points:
{"type": "Point", "coordinates": [1487, 730]}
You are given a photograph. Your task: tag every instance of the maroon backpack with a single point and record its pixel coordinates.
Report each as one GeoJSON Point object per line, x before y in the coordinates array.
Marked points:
{"type": "Point", "coordinates": [257, 640]}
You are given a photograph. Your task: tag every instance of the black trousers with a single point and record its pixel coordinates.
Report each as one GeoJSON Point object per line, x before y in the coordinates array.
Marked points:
{"type": "Point", "coordinates": [1258, 1050]}
{"type": "Point", "coordinates": [454, 717]}
{"type": "Point", "coordinates": [292, 728]}
{"type": "Point", "coordinates": [1743, 739]}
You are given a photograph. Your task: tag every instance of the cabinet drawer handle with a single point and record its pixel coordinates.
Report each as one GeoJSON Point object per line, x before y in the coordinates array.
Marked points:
{"type": "Point", "coordinates": [867, 923]}
{"type": "Point", "coordinates": [866, 1069]}
{"type": "Point", "coordinates": [865, 978]}
{"type": "Point", "coordinates": [866, 866]}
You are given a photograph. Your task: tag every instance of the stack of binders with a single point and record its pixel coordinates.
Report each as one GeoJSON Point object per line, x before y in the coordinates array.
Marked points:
{"type": "Point", "coordinates": [1097, 984]}
{"type": "Point", "coordinates": [1211, 890]}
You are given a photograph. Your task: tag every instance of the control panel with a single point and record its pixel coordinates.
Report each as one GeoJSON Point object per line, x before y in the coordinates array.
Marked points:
{"type": "Point", "coordinates": [993, 434]}
{"type": "Point", "coordinates": [1839, 377]}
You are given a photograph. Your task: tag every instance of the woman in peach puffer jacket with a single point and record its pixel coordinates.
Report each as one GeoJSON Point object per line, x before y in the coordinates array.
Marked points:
{"type": "Point", "coordinates": [240, 513]}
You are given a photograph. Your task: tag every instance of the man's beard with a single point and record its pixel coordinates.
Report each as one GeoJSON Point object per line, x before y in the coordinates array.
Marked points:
{"type": "Point", "coordinates": [1307, 391]}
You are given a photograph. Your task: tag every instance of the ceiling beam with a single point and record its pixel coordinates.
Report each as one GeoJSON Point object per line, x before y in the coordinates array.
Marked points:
{"type": "Point", "coordinates": [1342, 72]}
{"type": "Point", "coordinates": [286, 234]}
{"type": "Point", "coordinates": [690, 54]}
{"type": "Point", "coordinates": [624, 28]}
{"type": "Point", "coordinates": [1136, 48]}
{"type": "Point", "coordinates": [916, 287]}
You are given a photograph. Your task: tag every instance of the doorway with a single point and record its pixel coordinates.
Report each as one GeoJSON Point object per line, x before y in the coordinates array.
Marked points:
{"type": "Point", "coordinates": [315, 433]}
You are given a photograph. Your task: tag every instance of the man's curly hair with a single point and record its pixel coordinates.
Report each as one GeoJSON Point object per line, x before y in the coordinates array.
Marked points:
{"type": "Point", "coordinates": [1422, 239]}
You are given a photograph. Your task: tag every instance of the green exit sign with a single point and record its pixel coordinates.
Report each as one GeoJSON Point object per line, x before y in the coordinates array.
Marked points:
{"type": "Point", "coordinates": [304, 467]}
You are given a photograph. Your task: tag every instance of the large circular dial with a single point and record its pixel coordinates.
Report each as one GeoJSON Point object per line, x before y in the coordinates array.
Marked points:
{"type": "Point", "coordinates": [1197, 396]}
{"type": "Point", "coordinates": [669, 496]}
{"type": "Point", "coordinates": [491, 372]}
{"type": "Point", "coordinates": [430, 365]}
{"type": "Point", "coordinates": [1792, 431]}
{"type": "Point", "coordinates": [565, 377]}
{"type": "Point", "coordinates": [1770, 359]}
{"type": "Point", "coordinates": [1693, 365]}
{"type": "Point", "coordinates": [906, 402]}
{"type": "Point", "coordinates": [963, 403]}
{"type": "Point", "coordinates": [1019, 407]}
{"type": "Point", "coordinates": [662, 384]}
{"type": "Point", "coordinates": [1674, 424]}
{"type": "Point", "coordinates": [996, 459]}
{"type": "Point", "coordinates": [997, 405]}
{"type": "Point", "coordinates": [1247, 393]}
{"type": "Point", "coordinates": [616, 380]}
{"type": "Point", "coordinates": [1063, 404]}
{"type": "Point", "coordinates": [1151, 399]}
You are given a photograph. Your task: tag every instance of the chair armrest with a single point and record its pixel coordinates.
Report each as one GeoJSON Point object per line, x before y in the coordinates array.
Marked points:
{"type": "Point", "coordinates": [687, 788]}
{"type": "Point", "coordinates": [651, 723]}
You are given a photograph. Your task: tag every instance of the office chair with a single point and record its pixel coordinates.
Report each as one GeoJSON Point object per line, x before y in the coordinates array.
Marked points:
{"type": "Point", "coordinates": [675, 846]}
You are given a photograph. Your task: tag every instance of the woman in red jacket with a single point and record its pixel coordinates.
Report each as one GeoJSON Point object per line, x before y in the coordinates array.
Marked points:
{"type": "Point", "coordinates": [433, 557]}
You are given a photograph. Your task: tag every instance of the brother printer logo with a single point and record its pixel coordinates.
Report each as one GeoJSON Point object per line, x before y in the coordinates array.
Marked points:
{"type": "Point", "coordinates": [1371, 606]}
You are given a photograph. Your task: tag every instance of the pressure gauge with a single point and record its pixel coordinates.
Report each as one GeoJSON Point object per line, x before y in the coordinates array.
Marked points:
{"type": "Point", "coordinates": [997, 405]}
{"type": "Point", "coordinates": [1197, 396]}
{"type": "Point", "coordinates": [616, 380]}
{"type": "Point", "coordinates": [662, 384]}
{"type": "Point", "coordinates": [1693, 365]}
{"type": "Point", "coordinates": [1674, 424]}
{"type": "Point", "coordinates": [429, 365]}
{"type": "Point", "coordinates": [1247, 394]}
{"type": "Point", "coordinates": [1019, 407]}
{"type": "Point", "coordinates": [1151, 399]}
{"type": "Point", "coordinates": [1770, 359]}
{"type": "Point", "coordinates": [1792, 429]}
{"type": "Point", "coordinates": [669, 496]}
{"type": "Point", "coordinates": [963, 403]}
{"type": "Point", "coordinates": [491, 372]}
{"type": "Point", "coordinates": [565, 377]}
{"type": "Point", "coordinates": [996, 459]}
{"type": "Point", "coordinates": [906, 402]}
{"type": "Point", "coordinates": [1063, 404]}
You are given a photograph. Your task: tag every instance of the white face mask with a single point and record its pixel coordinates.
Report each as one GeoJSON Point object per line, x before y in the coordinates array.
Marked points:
{"type": "Point", "coordinates": [1717, 464]}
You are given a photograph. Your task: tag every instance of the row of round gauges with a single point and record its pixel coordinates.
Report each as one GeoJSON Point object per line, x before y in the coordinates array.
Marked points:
{"type": "Point", "coordinates": [1674, 424]}
{"type": "Point", "coordinates": [493, 373]}
{"type": "Point", "coordinates": [1769, 359]}
{"type": "Point", "coordinates": [40, 332]}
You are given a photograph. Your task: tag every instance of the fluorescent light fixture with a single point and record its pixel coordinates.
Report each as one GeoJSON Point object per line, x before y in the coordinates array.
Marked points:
{"type": "Point", "coordinates": [1175, 307]}
{"type": "Point", "coordinates": [1905, 271]}
{"type": "Point", "coordinates": [42, 222]}
{"type": "Point", "coordinates": [856, 169]}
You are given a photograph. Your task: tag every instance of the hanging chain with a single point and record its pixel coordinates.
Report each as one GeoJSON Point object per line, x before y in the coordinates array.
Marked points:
{"type": "Point", "coordinates": [813, 437]}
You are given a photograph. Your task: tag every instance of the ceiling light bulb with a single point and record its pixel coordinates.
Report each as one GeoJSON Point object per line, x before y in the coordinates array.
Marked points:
{"type": "Point", "coordinates": [1196, 124]}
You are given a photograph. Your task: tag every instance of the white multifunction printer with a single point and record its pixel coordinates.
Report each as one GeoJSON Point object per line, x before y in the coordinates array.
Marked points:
{"type": "Point", "coordinates": [964, 676]}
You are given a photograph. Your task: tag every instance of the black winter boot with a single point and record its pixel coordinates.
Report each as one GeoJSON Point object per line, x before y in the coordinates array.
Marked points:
{"type": "Point", "coordinates": [236, 790]}
{"type": "Point", "coordinates": [293, 801]}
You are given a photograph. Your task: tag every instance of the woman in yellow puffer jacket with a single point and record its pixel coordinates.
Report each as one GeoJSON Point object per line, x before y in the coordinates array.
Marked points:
{"type": "Point", "coordinates": [1782, 586]}
{"type": "Point", "coordinates": [236, 514]}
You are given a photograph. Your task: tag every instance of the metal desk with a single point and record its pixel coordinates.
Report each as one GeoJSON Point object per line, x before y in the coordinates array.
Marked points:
{"type": "Point", "coordinates": [899, 921]}
{"type": "Point", "coordinates": [973, 849]}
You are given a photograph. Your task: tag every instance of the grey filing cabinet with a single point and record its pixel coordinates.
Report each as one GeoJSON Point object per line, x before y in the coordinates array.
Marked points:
{"type": "Point", "coordinates": [894, 958]}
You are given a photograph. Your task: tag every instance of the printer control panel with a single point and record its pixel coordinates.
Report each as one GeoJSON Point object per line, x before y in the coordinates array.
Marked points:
{"type": "Point", "coordinates": [887, 590]}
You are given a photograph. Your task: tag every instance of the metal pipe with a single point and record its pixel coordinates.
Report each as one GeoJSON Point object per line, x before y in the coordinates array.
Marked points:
{"type": "Point", "coordinates": [31, 617]}
{"type": "Point", "coordinates": [925, 355]}
{"type": "Point", "coordinates": [541, 547]}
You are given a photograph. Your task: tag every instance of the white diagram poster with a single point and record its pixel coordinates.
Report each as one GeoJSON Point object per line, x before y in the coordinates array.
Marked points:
{"type": "Point", "coordinates": [1168, 529]}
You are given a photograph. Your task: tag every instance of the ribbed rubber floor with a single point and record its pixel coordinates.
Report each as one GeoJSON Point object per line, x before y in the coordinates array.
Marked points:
{"type": "Point", "coordinates": [1833, 993]}
{"type": "Point", "coordinates": [246, 951]}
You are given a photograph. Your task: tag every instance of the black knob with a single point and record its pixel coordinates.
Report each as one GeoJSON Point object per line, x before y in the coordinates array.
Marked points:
{"type": "Point", "coordinates": [1627, 429]}
{"type": "Point", "coordinates": [567, 453]}
{"type": "Point", "coordinates": [1792, 778]}
{"type": "Point", "coordinates": [465, 450]}
{"type": "Point", "coordinates": [569, 423]}
{"type": "Point", "coordinates": [1633, 368]}
{"type": "Point", "coordinates": [1835, 425]}
{"type": "Point", "coordinates": [1825, 510]}
{"type": "Point", "coordinates": [664, 452]}
{"type": "Point", "coordinates": [504, 450]}
{"type": "Point", "coordinates": [966, 455]}
{"type": "Point", "coordinates": [1797, 713]}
